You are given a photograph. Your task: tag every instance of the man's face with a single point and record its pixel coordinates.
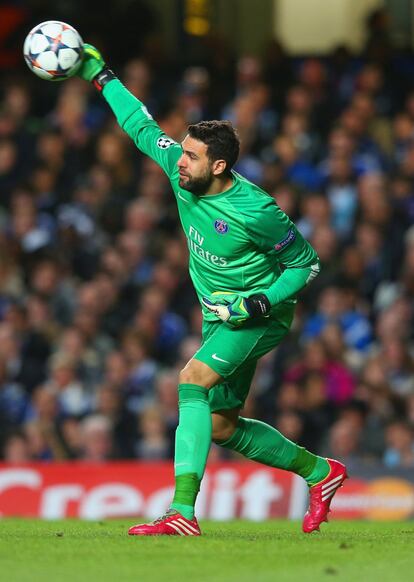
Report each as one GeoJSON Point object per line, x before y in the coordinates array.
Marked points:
{"type": "Point", "coordinates": [195, 167]}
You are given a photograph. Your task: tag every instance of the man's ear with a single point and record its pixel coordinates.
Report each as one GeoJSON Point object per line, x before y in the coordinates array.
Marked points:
{"type": "Point", "coordinates": [219, 167]}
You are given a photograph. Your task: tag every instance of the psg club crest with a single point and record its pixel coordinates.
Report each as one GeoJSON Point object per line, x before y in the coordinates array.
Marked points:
{"type": "Point", "coordinates": [221, 226]}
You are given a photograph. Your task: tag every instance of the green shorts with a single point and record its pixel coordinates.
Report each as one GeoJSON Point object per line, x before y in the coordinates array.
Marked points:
{"type": "Point", "coordinates": [233, 352]}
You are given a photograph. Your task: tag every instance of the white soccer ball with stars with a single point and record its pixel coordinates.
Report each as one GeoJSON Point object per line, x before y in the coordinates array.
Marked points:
{"type": "Point", "coordinates": [53, 50]}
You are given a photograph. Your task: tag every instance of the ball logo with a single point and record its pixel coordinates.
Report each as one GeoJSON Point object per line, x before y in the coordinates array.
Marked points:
{"type": "Point", "coordinates": [164, 142]}
{"type": "Point", "coordinates": [221, 226]}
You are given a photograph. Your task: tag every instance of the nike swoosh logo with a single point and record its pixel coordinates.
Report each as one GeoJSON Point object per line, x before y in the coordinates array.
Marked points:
{"type": "Point", "coordinates": [182, 198]}
{"type": "Point", "coordinates": [215, 357]}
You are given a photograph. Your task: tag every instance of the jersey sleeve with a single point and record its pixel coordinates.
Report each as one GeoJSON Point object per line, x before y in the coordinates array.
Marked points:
{"type": "Point", "coordinates": [138, 123]}
{"type": "Point", "coordinates": [273, 232]}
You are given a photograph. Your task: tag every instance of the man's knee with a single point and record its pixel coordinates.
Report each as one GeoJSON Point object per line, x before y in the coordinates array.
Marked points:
{"type": "Point", "coordinates": [224, 424]}
{"type": "Point", "coordinates": [196, 372]}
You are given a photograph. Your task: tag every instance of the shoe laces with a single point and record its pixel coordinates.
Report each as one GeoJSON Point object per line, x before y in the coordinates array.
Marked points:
{"type": "Point", "coordinates": [168, 513]}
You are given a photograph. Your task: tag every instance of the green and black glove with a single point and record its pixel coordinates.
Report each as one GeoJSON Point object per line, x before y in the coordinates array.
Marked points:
{"type": "Point", "coordinates": [93, 68]}
{"type": "Point", "coordinates": [235, 309]}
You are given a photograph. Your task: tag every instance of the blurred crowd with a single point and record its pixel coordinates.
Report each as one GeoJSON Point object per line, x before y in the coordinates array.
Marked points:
{"type": "Point", "coordinates": [97, 312]}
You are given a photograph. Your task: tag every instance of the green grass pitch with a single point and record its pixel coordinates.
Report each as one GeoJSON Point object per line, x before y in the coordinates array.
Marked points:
{"type": "Point", "coordinates": [79, 551]}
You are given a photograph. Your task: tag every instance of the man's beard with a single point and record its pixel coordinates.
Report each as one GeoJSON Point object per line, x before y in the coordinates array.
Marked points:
{"type": "Point", "coordinates": [197, 186]}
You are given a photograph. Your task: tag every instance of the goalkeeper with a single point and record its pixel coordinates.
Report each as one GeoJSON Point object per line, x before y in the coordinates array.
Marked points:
{"type": "Point", "coordinates": [247, 263]}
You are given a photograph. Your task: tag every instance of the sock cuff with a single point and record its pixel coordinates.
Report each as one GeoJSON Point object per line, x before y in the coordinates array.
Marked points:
{"type": "Point", "coordinates": [187, 481]}
{"type": "Point", "coordinates": [192, 392]}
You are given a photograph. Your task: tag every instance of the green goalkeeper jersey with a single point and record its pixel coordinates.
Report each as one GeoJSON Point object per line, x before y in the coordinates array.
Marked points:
{"type": "Point", "coordinates": [239, 240]}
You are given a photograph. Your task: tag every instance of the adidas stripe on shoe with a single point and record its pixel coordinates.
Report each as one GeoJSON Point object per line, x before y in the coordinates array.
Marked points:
{"type": "Point", "coordinates": [171, 523]}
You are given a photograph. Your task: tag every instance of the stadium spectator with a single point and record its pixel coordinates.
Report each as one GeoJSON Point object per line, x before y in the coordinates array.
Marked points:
{"type": "Point", "coordinates": [96, 439]}
{"type": "Point", "coordinates": [110, 403]}
{"type": "Point", "coordinates": [399, 450]}
{"type": "Point", "coordinates": [16, 449]}
{"type": "Point", "coordinates": [153, 442]}
{"type": "Point", "coordinates": [63, 379]}
{"type": "Point", "coordinates": [337, 382]}
{"type": "Point", "coordinates": [344, 440]}
{"type": "Point", "coordinates": [336, 305]}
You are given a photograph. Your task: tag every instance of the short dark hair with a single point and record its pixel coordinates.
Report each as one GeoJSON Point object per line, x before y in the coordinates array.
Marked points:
{"type": "Point", "coordinates": [221, 140]}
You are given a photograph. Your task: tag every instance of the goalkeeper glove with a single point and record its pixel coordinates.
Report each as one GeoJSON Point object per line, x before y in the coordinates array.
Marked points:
{"type": "Point", "coordinates": [235, 309]}
{"type": "Point", "coordinates": [93, 68]}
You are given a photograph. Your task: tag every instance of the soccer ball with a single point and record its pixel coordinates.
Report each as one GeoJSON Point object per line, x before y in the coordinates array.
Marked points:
{"type": "Point", "coordinates": [53, 50]}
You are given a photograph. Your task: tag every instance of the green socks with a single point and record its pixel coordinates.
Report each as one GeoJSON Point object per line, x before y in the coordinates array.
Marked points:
{"type": "Point", "coordinates": [253, 439]}
{"type": "Point", "coordinates": [263, 443]}
{"type": "Point", "coordinates": [192, 444]}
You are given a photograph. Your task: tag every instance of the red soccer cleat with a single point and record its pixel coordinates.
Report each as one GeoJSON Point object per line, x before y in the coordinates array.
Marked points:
{"type": "Point", "coordinates": [170, 524]}
{"type": "Point", "coordinates": [321, 495]}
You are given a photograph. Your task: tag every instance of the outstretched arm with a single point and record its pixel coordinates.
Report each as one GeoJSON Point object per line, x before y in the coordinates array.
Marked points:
{"type": "Point", "coordinates": [131, 113]}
